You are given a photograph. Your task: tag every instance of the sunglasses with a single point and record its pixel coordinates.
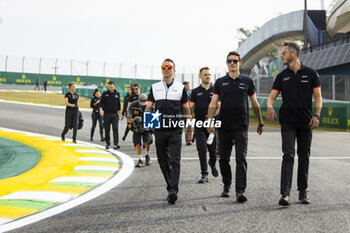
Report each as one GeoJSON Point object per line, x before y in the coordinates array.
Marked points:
{"type": "Point", "coordinates": [232, 60]}
{"type": "Point", "coordinates": [168, 67]}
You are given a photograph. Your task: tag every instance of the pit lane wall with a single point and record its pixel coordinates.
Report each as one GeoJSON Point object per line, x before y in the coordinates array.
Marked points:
{"type": "Point", "coordinates": [121, 84]}
{"type": "Point", "coordinates": [333, 114]}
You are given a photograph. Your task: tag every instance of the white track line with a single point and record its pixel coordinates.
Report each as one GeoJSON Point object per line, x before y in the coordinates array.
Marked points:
{"type": "Point", "coordinates": [96, 168]}
{"type": "Point", "coordinates": [80, 179]}
{"type": "Point", "coordinates": [87, 151]}
{"type": "Point", "coordinates": [41, 105]}
{"type": "Point", "coordinates": [4, 220]}
{"type": "Point", "coordinates": [99, 159]}
{"type": "Point", "coordinates": [124, 172]}
{"type": "Point", "coordinates": [266, 158]}
{"type": "Point", "coordinates": [39, 195]}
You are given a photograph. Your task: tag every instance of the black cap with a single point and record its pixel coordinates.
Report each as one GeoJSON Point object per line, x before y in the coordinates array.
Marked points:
{"type": "Point", "coordinates": [111, 82]}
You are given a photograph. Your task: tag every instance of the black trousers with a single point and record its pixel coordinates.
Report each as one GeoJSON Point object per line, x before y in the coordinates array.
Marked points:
{"type": "Point", "coordinates": [96, 117]}
{"type": "Point", "coordinates": [201, 135]}
{"type": "Point", "coordinates": [108, 120]}
{"type": "Point", "coordinates": [303, 135]}
{"type": "Point", "coordinates": [168, 147]}
{"type": "Point", "coordinates": [226, 140]}
{"type": "Point", "coordinates": [71, 122]}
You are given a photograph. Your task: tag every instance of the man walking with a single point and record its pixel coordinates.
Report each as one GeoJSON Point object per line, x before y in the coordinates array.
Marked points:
{"type": "Point", "coordinates": [199, 103]}
{"type": "Point", "coordinates": [170, 99]}
{"type": "Point", "coordinates": [297, 83]}
{"type": "Point", "coordinates": [135, 113]}
{"type": "Point", "coordinates": [110, 110]}
{"type": "Point", "coordinates": [233, 91]}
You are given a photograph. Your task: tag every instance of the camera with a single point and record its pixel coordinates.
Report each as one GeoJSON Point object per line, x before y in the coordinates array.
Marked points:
{"type": "Point", "coordinates": [136, 124]}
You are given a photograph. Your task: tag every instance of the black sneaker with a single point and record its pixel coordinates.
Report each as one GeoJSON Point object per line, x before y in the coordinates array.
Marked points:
{"type": "Point", "coordinates": [139, 163]}
{"type": "Point", "coordinates": [303, 197]}
{"type": "Point", "coordinates": [203, 179]}
{"type": "Point", "coordinates": [124, 137]}
{"type": "Point", "coordinates": [226, 191]}
{"type": "Point", "coordinates": [116, 147]}
{"type": "Point", "coordinates": [214, 171]}
{"type": "Point", "coordinates": [91, 139]}
{"type": "Point", "coordinates": [74, 141]}
{"type": "Point", "coordinates": [107, 147]}
{"type": "Point", "coordinates": [241, 198]}
{"type": "Point", "coordinates": [284, 201]}
{"type": "Point", "coordinates": [148, 160]}
{"type": "Point", "coordinates": [102, 139]}
{"type": "Point", "coordinates": [172, 198]}
{"type": "Point", "coordinates": [63, 137]}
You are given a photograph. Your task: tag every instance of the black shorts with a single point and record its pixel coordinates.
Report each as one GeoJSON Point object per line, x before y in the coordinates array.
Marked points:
{"type": "Point", "coordinates": [146, 137]}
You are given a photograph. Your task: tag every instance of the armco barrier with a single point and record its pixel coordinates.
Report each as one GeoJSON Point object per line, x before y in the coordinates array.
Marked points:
{"type": "Point", "coordinates": [121, 84]}
{"type": "Point", "coordinates": [88, 91]}
{"type": "Point", "coordinates": [333, 114]}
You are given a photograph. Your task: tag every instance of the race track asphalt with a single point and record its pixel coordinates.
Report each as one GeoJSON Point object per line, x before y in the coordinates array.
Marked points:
{"type": "Point", "coordinates": [139, 203]}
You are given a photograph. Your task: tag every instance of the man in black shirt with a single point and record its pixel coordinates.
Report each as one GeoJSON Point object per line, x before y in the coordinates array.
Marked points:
{"type": "Point", "coordinates": [233, 91]}
{"type": "Point", "coordinates": [110, 110]}
{"type": "Point", "coordinates": [199, 103]}
{"type": "Point", "coordinates": [170, 99]}
{"type": "Point", "coordinates": [297, 83]}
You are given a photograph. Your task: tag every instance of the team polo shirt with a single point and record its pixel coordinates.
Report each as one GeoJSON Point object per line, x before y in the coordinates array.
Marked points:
{"type": "Point", "coordinates": [297, 90]}
{"type": "Point", "coordinates": [201, 98]}
{"type": "Point", "coordinates": [168, 99]}
{"type": "Point", "coordinates": [72, 99]}
{"type": "Point", "coordinates": [233, 93]}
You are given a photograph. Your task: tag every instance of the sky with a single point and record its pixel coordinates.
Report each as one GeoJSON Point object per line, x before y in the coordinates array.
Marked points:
{"type": "Point", "coordinates": [192, 32]}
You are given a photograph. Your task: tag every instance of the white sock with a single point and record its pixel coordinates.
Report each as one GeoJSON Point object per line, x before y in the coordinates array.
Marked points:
{"type": "Point", "coordinates": [140, 156]}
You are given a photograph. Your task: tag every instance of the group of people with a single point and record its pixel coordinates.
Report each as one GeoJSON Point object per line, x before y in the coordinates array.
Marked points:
{"type": "Point", "coordinates": [225, 101]}
{"type": "Point", "coordinates": [37, 84]}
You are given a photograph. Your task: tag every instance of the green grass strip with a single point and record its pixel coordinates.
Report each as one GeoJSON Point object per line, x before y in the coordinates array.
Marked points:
{"type": "Point", "coordinates": [75, 184]}
{"type": "Point", "coordinates": [28, 204]}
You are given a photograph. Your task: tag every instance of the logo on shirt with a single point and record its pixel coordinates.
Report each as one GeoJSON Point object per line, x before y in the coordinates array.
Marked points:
{"type": "Point", "coordinates": [241, 85]}
{"type": "Point", "coordinates": [286, 78]}
{"type": "Point", "coordinates": [199, 94]}
{"type": "Point", "coordinates": [225, 84]}
{"type": "Point", "coordinates": [151, 120]}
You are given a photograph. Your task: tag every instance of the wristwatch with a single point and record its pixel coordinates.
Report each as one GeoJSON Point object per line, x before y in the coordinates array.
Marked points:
{"type": "Point", "coordinates": [318, 116]}
{"type": "Point", "coordinates": [261, 125]}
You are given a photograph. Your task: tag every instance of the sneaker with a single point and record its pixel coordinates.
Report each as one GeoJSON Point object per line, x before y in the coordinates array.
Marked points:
{"type": "Point", "coordinates": [139, 163]}
{"type": "Point", "coordinates": [226, 191]}
{"type": "Point", "coordinates": [102, 139]}
{"type": "Point", "coordinates": [124, 137]}
{"type": "Point", "coordinates": [148, 160]}
{"type": "Point", "coordinates": [91, 139]}
{"type": "Point", "coordinates": [203, 179]}
{"type": "Point", "coordinates": [303, 197]}
{"type": "Point", "coordinates": [74, 141]}
{"type": "Point", "coordinates": [172, 198]}
{"type": "Point", "coordinates": [116, 147]}
{"type": "Point", "coordinates": [107, 147]}
{"type": "Point", "coordinates": [214, 171]}
{"type": "Point", "coordinates": [284, 201]}
{"type": "Point", "coordinates": [241, 198]}
{"type": "Point", "coordinates": [188, 143]}
{"type": "Point", "coordinates": [63, 137]}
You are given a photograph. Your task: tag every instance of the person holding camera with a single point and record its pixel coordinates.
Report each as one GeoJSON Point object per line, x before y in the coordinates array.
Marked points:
{"type": "Point", "coordinates": [135, 113]}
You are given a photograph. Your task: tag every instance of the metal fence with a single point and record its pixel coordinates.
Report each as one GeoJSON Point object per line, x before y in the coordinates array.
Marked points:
{"type": "Point", "coordinates": [58, 66]}
{"type": "Point", "coordinates": [334, 87]}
